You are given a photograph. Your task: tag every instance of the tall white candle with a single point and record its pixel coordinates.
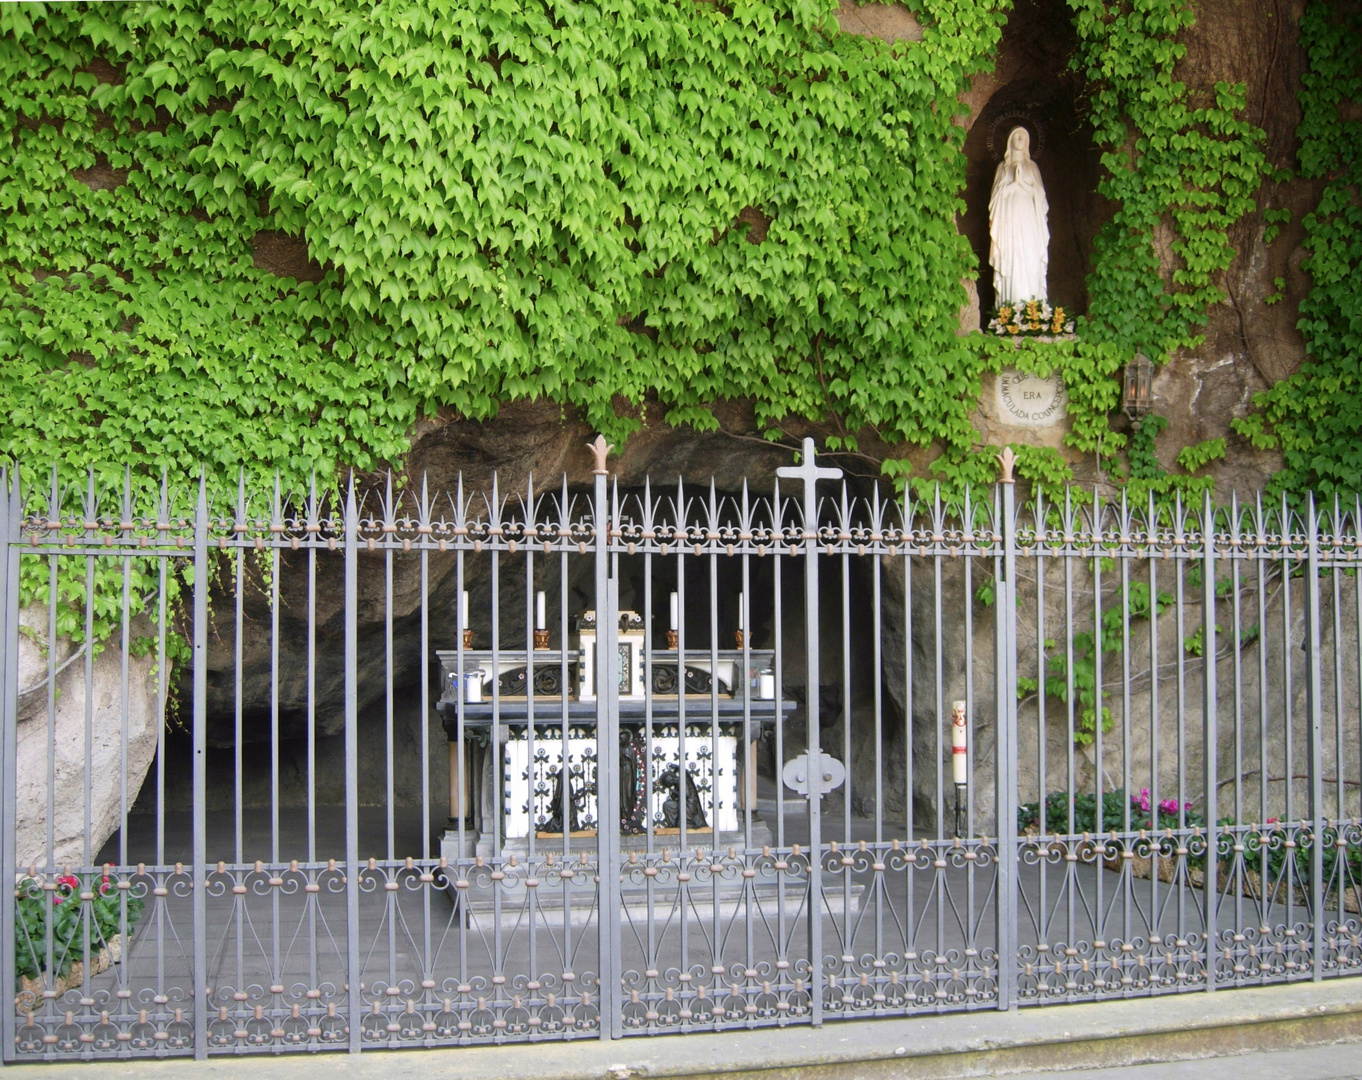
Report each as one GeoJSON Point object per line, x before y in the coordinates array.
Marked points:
{"type": "Point", "coordinates": [959, 750]}
{"type": "Point", "coordinates": [463, 610]}
{"type": "Point", "coordinates": [673, 622]}
{"type": "Point", "coordinates": [742, 612]}
{"type": "Point", "coordinates": [540, 612]}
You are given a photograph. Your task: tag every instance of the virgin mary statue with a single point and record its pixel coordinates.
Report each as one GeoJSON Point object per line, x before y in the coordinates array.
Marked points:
{"type": "Point", "coordinates": [1018, 233]}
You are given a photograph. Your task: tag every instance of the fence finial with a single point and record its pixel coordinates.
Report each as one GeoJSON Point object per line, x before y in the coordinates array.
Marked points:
{"type": "Point", "coordinates": [1007, 459]}
{"type": "Point", "coordinates": [601, 449]}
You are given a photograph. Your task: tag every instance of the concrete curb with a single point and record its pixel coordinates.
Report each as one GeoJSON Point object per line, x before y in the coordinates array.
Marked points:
{"type": "Point", "coordinates": [1136, 1031]}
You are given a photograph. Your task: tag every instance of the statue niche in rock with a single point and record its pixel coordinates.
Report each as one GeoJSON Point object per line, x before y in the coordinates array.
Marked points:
{"type": "Point", "coordinates": [1019, 235]}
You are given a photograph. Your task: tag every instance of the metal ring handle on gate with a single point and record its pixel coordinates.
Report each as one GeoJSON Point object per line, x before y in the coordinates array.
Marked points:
{"type": "Point", "coordinates": [827, 773]}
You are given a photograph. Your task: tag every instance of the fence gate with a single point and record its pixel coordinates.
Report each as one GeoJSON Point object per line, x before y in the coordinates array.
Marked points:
{"type": "Point", "coordinates": [290, 771]}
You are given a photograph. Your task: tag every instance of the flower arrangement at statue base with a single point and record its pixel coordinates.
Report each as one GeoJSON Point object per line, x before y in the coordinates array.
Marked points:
{"type": "Point", "coordinates": [1030, 318]}
{"type": "Point", "coordinates": [66, 908]}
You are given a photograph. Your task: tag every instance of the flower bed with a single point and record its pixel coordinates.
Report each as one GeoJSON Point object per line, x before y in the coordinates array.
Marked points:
{"type": "Point", "coordinates": [1162, 845]}
{"type": "Point", "coordinates": [66, 907]}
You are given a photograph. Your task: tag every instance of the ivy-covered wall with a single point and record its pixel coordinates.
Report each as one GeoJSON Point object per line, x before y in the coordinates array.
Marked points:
{"type": "Point", "coordinates": [595, 204]}
{"type": "Point", "coordinates": [608, 205]}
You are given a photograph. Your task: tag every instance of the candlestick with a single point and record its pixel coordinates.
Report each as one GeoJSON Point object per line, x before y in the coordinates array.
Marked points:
{"type": "Point", "coordinates": [672, 624]}
{"type": "Point", "coordinates": [540, 612]}
{"type": "Point", "coordinates": [959, 749]}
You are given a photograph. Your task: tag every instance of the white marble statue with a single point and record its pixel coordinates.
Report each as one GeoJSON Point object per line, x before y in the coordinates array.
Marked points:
{"type": "Point", "coordinates": [1019, 236]}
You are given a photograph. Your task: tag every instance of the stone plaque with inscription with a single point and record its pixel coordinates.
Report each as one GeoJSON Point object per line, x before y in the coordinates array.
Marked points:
{"type": "Point", "coordinates": [1030, 400]}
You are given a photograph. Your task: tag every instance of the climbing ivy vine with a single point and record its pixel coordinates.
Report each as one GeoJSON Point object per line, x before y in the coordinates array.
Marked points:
{"type": "Point", "coordinates": [1181, 167]}
{"type": "Point", "coordinates": [599, 205]}
{"type": "Point", "coordinates": [505, 200]}
{"type": "Point", "coordinates": [1315, 415]}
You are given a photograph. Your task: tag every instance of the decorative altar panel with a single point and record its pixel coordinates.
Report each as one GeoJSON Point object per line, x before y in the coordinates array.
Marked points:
{"type": "Point", "coordinates": [537, 776]}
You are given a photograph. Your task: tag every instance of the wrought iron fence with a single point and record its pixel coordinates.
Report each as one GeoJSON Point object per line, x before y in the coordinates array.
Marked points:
{"type": "Point", "coordinates": [386, 768]}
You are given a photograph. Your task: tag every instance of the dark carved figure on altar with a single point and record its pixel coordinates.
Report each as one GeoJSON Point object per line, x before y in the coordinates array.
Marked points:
{"type": "Point", "coordinates": [631, 784]}
{"type": "Point", "coordinates": [575, 796]}
{"type": "Point", "coordinates": [671, 783]}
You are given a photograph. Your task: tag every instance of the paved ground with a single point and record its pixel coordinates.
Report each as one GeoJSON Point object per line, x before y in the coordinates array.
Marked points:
{"type": "Point", "coordinates": [1336, 1061]}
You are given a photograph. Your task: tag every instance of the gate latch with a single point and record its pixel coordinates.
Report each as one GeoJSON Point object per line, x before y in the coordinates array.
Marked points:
{"type": "Point", "coordinates": [822, 774]}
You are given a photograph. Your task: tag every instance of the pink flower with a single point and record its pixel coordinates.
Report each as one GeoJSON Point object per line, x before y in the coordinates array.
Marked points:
{"type": "Point", "coordinates": [104, 885]}
{"type": "Point", "coordinates": [1142, 801]}
{"type": "Point", "coordinates": [66, 885]}
{"type": "Point", "coordinates": [1168, 806]}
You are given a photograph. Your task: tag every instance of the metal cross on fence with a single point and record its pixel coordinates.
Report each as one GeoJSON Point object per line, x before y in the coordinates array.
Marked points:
{"type": "Point", "coordinates": [810, 472]}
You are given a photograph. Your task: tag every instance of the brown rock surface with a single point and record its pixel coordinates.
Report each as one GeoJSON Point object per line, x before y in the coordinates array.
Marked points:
{"type": "Point", "coordinates": [888, 22]}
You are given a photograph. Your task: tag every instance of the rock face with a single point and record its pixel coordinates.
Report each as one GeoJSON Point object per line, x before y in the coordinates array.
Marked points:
{"type": "Point", "coordinates": [58, 742]}
{"type": "Point", "coordinates": [888, 22]}
{"type": "Point", "coordinates": [528, 441]}
{"type": "Point", "coordinates": [961, 649]}
{"type": "Point", "coordinates": [1260, 731]}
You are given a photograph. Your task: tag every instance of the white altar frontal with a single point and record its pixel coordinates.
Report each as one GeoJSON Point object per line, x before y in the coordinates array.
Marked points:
{"type": "Point", "coordinates": [688, 734]}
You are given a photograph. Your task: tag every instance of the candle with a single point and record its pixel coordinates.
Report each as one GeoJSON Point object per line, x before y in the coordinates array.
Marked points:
{"type": "Point", "coordinates": [463, 610]}
{"type": "Point", "coordinates": [742, 612]}
{"type": "Point", "coordinates": [540, 612]}
{"type": "Point", "coordinates": [673, 622]}
{"type": "Point", "coordinates": [959, 751]}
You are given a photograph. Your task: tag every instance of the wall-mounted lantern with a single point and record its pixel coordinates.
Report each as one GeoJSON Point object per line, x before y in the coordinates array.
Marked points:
{"type": "Point", "coordinates": [1139, 395]}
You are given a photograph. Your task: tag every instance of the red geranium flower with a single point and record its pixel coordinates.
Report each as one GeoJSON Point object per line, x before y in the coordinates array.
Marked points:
{"type": "Point", "coordinates": [66, 885]}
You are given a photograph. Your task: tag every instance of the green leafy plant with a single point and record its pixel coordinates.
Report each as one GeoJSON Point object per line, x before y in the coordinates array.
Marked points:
{"type": "Point", "coordinates": [1266, 849]}
{"type": "Point", "coordinates": [1167, 813]}
{"type": "Point", "coordinates": [1135, 601]}
{"type": "Point", "coordinates": [678, 205]}
{"type": "Point", "coordinates": [681, 206]}
{"type": "Point", "coordinates": [65, 912]}
{"type": "Point", "coordinates": [1199, 455]}
{"type": "Point", "coordinates": [667, 207]}
{"type": "Point", "coordinates": [1263, 849]}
